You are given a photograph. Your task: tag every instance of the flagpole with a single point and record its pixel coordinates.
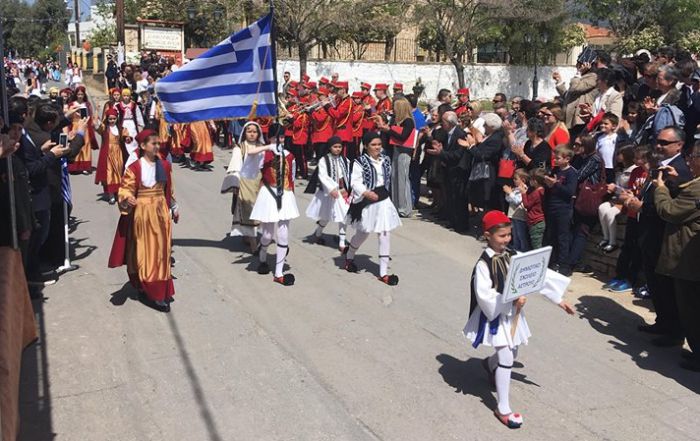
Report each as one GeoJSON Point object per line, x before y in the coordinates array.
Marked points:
{"type": "Point", "coordinates": [273, 38]}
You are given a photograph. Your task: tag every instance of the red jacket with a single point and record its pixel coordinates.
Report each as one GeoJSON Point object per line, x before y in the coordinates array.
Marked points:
{"type": "Point", "coordinates": [368, 124]}
{"type": "Point", "coordinates": [342, 116]}
{"type": "Point", "coordinates": [533, 201]}
{"type": "Point", "coordinates": [358, 120]}
{"type": "Point", "coordinates": [300, 128]}
{"type": "Point", "coordinates": [322, 129]}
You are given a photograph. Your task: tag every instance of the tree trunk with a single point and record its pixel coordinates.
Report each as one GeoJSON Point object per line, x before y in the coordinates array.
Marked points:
{"type": "Point", "coordinates": [303, 58]}
{"type": "Point", "coordinates": [388, 47]}
{"type": "Point", "coordinates": [459, 66]}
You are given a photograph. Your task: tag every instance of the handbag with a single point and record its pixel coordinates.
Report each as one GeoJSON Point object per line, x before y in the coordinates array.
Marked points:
{"type": "Point", "coordinates": [506, 168]}
{"type": "Point", "coordinates": [480, 171]}
{"type": "Point", "coordinates": [590, 196]}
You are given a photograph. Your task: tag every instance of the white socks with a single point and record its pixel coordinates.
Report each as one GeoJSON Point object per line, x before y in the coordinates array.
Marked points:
{"type": "Point", "coordinates": [341, 234]}
{"type": "Point", "coordinates": [268, 230]}
{"type": "Point", "coordinates": [502, 362]}
{"type": "Point", "coordinates": [384, 250]}
{"type": "Point", "coordinates": [282, 246]}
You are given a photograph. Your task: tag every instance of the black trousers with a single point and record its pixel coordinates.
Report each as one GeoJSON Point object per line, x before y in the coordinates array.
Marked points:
{"type": "Point", "coordinates": [688, 301]}
{"type": "Point", "coordinates": [662, 287]}
{"type": "Point", "coordinates": [558, 234]}
{"type": "Point", "coordinates": [300, 159]}
{"type": "Point", "coordinates": [581, 232]}
{"type": "Point", "coordinates": [321, 149]}
{"type": "Point", "coordinates": [629, 262]}
{"type": "Point", "coordinates": [37, 239]}
{"type": "Point", "coordinates": [457, 199]}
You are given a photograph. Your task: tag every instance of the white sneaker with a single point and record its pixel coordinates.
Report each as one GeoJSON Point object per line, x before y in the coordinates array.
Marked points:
{"type": "Point", "coordinates": [39, 283]}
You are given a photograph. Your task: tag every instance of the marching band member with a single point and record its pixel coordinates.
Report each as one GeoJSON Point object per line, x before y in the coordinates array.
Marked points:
{"type": "Point", "coordinates": [370, 106]}
{"type": "Point", "coordinates": [358, 124]}
{"type": "Point", "coordinates": [463, 98]}
{"type": "Point", "coordinates": [321, 126]}
{"type": "Point", "coordinates": [342, 115]}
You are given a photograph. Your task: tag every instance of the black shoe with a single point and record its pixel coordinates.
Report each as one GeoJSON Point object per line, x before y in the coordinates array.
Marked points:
{"type": "Point", "coordinates": [652, 329]}
{"type": "Point", "coordinates": [564, 271]}
{"type": "Point", "coordinates": [286, 280]}
{"type": "Point", "coordinates": [264, 268]}
{"type": "Point", "coordinates": [584, 268]}
{"type": "Point", "coordinates": [667, 341]}
{"type": "Point", "coordinates": [693, 366]}
{"type": "Point", "coordinates": [320, 240]}
{"type": "Point", "coordinates": [390, 279]}
{"type": "Point", "coordinates": [350, 266]}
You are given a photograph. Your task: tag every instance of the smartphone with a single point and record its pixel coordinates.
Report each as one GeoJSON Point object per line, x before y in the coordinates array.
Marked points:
{"type": "Point", "coordinates": [63, 140]}
{"type": "Point", "coordinates": [83, 112]}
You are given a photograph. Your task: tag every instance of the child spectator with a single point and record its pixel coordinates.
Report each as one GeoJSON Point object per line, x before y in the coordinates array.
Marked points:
{"type": "Point", "coordinates": [533, 202]}
{"type": "Point", "coordinates": [629, 124]}
{"type": "Point", "coordinates": [559, 208]}
{"type": "Point", "coordinates": [608, 211]}
{"type": "Point", "coordinates": [629, 262]}
{"type": "Point", "coordinates": [516, 211]}
{"type": "Point", "coordinates": [606, 143]}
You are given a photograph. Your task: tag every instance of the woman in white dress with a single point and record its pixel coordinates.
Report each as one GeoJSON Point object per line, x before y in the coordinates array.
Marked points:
{"type": "Point", "coordinates": [330, 202]}
{"type": "Point", "coordinates": [275, 206]}
{"type": "Point", "coordinates": [245, 169]}
{"type": "Point", "coordinates": [371, 210]}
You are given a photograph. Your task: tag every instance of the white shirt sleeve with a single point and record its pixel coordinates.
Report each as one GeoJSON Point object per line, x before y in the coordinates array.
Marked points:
{"type": "Point", "coordinates": [555, 286]}
{"type": "Point", "coordinates": [323, 177]}
{"type": "Point", "coordinates": [357, 184]}
{"type": "Point", "coordinates": [489, 300]}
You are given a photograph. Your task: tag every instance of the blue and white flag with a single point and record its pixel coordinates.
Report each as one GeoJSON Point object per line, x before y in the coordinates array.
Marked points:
{"type": "Point", "coordinates": [225, 81]}
{"type": "Point", "coordinates": [66, 191]}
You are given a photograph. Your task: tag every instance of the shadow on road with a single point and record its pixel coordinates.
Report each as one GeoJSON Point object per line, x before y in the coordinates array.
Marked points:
{"type": "Point", "coordinates": [200, 398]}
{"type": "Point", "coordinates": [126, 292]}
{"type": "Point", "coordinates": [610, 318]}
{"type": "Point", "coordinates": [34, 388]}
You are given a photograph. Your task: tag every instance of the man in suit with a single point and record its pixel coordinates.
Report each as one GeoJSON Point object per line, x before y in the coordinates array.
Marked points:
{"type": "Point", "coordinates": [667, 327]}
{"type": "Point", "coordinates": [458, 162]}
{"type": "Point", "coordinates": [39, 154]}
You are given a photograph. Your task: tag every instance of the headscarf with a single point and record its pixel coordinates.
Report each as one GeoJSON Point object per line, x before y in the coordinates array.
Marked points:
{"type": "Point", "coordinates": [261, 137]}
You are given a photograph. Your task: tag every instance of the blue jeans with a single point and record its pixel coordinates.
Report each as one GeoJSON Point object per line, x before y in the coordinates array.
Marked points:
{"type": "Point", "coordinates": [521, 236]}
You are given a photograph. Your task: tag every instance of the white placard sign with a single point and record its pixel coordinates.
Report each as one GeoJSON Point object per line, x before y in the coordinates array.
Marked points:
{"type": "Point", "coordinates": [167, 39]}
{"type": "Point", "coordinates": [526, 274]}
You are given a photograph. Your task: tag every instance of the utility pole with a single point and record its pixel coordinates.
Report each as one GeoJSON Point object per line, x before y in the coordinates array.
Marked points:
{"type": "Point", "coordinates": [119, 16]}
{"type": "Point", "coordinates": [76, 10]}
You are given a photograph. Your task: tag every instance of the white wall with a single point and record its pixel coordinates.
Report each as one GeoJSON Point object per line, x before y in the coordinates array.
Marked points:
{"type": "Point", "coordinates": [483, 80]}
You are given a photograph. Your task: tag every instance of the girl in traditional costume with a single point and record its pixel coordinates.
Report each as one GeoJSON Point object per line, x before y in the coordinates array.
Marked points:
{"type": "Point", "coordinates": [502, 325]}
{"type": "Point", "coordinates": [330, 202]}
{"type": "Point", "coordinates": [110, 163]}
{"type": "Point", "coordinates": [245, 168]}
{"type": "Point", "coordinates": [275, 206]}
{"type": "Point", "coordinates": [143, 237]}
{"type": "Point", "coordinates": [371, 210]}
{"type": "Point", "coordinates": [201, 145]}
{"type": "Point", "coordinates": [83, 160]}
{"type": "Point", "coordinates": [131, 119]}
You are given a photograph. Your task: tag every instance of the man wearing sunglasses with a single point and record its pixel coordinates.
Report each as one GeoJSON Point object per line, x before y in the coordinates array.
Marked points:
{"type": "Point", "coordinates": [667, 326]}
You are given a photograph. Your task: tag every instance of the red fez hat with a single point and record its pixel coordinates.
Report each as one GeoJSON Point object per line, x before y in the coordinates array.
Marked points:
{"type": "Point", "coordinates": [293, 83]}
{"type": "Point", "coordinates": [292, 92]}
{"type": "Point", "coordinates": [114, 89]}
{"type": "Point", "coordinates": [324, 80]}
{"type": "Point", "coordinates": [381, 86]}
{"type": "Point", "coordinates": [323, 91]}
{"type": "Point", "coordinates": [144, 134]}
{"type": "Point", "coordinates": [311, 84]}
{"type": "Point", "coordinates": [398, 86]}
{"type": "Point", "coordinates": [306, 78]}
{"type": "Point", "coordinates": [357, 94]}
{"type": "Point", "coordinates": [112, 112]}
{"type": "Point", "coordinates": [493, 218]}
{"type": "Point", "coordinates": [463, 91]}
{"type": "Point", "coordinates": [341, 85]}
{"type": "Point", "coordinates": [366, 86]}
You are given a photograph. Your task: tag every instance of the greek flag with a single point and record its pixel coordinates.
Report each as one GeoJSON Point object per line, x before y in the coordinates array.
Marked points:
{"type": "Point", "coordinates": [66, 192]}
{"type": "Point", "coordinates": [226, 81]}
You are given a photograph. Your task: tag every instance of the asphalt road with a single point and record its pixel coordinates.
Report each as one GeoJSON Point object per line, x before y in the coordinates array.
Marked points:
{"type": "Point", "coordinates": [338, 356]}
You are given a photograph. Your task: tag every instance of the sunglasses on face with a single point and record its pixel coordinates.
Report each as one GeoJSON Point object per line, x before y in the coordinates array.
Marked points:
{"type": "Point", "coordinates": [665, 142]}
